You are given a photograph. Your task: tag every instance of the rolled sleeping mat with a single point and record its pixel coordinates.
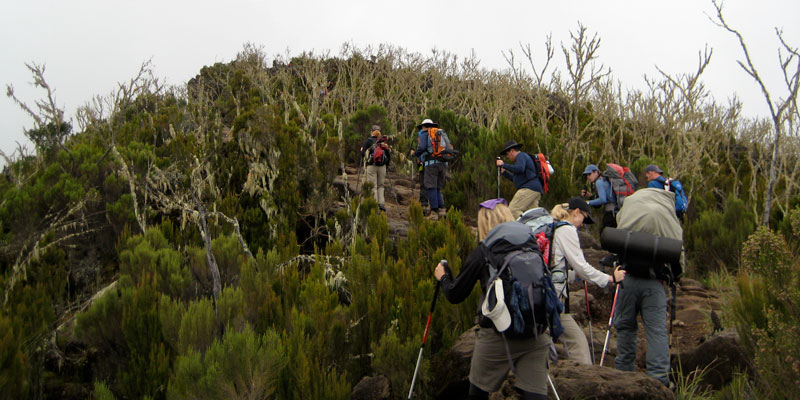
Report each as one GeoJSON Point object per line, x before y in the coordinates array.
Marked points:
{"type": "Point", "coordinates": [634, 247]}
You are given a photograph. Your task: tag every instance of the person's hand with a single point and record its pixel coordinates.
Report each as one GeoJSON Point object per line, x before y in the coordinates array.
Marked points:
{"type": "Point", "coordinates": [619, 274]}
{"type": "Point", "coordinates": [439, 272]}
{"type": "Point", "coordinates": [499, 163]}
{"type": "Point", "coordinates": [411, 153]}
{"type": "Point", "coordinates": [502, 170]}
{"type": "Point", "coordinates": [584, 193]}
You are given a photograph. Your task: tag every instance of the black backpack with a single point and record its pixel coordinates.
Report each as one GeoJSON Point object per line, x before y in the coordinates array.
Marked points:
{"type": "Point", "coordinates": [512, 256]}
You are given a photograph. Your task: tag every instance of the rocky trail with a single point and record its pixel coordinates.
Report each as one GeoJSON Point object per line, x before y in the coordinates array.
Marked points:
{"type": "Point", "coordinates": [696, 340]}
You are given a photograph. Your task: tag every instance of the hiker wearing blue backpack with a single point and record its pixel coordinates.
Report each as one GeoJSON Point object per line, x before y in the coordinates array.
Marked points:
{"type": "Point", "coordinates": [656, 179]}
{"type": "Point", "coordinates": [435, 149]}
{"type": "Point", "coordinates": [605, 196]}
{"type": "Point", "coordinates": [525, 177]}
{"type": "Point", "coordinates": [495, 353]}
{"type": "Point", "coordinates": [568, 261]}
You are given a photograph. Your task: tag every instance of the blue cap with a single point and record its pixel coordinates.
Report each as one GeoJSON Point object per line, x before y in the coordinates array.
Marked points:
{"type": "Point", "coordinates": [590, 168]}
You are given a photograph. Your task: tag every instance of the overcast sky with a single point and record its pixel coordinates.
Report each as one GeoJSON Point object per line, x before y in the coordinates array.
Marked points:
{"type": "Point", "coordinates": [90, 45]}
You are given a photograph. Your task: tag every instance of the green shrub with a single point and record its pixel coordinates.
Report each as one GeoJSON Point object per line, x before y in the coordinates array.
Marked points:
{"type": "Point", "coordinates": [241, 365]}
{"type": "Point", "coordinates": [714, 240]}
{"type": "Point", "coordinates": [766, 312]}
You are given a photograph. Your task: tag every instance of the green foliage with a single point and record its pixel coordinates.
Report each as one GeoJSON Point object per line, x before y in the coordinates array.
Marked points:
{"type": "Point", "coordinates": [13, 362]}
{"type": "Point", "coordinates": [396, 359]}
{"type": "Point", "coordinates": [766, 312]}
{"type": "Point", "coordinates": [714, 240]}
{"type": "Point", "coordinates": [241, 365]}
{"type": "Point", "coordinates": [102, 392]}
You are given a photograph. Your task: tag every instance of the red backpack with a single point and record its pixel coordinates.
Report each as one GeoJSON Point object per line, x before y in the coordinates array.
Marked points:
{"type": "Point", "coordinates": [542, 170]}
{"type": "Point", "coordinates": [380, 152]}
{"type": "Point", "coordinates": [623, 181]}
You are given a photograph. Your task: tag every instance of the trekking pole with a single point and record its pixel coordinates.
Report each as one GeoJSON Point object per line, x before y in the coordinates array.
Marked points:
{"type": "Point", "coordinates": [550, 380]}
{"type": "Point", "coordinates": [589, 313]}
{"type": "Point", "coordinates": [498, 180]}
{"type": "Point", "coordinates": [425, 335]}
{"type": "Point", "coordinates": [610, 320]}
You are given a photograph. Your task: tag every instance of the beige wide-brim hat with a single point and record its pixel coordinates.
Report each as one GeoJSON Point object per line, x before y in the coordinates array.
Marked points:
{"type": "Point", "coordinates": [427, 121]}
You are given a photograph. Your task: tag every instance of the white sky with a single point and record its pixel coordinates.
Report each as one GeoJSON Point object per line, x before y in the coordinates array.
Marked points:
{"type": "Point", "coordinates": [90, 45]}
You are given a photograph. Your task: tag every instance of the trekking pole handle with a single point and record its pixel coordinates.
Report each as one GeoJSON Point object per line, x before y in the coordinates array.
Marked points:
{"type": "Point", "coordinates": [438, 285]}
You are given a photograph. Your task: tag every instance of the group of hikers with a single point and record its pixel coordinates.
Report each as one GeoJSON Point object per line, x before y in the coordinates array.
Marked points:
{"type": "Point", "coordinates": [504, 237]}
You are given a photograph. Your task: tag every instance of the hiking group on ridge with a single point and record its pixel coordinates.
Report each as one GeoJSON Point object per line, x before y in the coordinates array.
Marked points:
{"type": "Point", "coordinates": [527, 257]}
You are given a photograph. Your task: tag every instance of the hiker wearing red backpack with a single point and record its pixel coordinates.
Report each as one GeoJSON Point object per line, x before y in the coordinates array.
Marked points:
{"type": "Point", "coordinates": [523, 172]}
{"type": "Point", "coordinates": [377, 159]}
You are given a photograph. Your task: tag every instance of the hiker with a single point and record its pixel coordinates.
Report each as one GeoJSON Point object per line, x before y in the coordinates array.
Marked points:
{"type": "Point", "coordinates": [376, 165]}
{"type": "Point", "coordinates": [434, 171]}
{"type": "Point", "coordinates": [523, 173]}
{"type": "Point", "coordinates": [423, 194]}
{"type": "Point", "coordinates": [568, 257]}
{"type": "Point", "coordinates": [489, 365]}
{"type": "Point", "coordinates": [652, 211]}
{"type": "Point", "coordinates": [605, 196]}
{"type": "Point", "coordinates": [655, 177]}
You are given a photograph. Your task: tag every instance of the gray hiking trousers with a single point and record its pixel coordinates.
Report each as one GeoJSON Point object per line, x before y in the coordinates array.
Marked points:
{"type": "Point", "coordinates": [648, 297]}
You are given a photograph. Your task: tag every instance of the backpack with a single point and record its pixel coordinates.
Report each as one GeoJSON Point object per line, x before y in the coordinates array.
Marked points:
{"type": "Point", "coordinates": [543, 170]}
{"type": "Point", "coordinates": [379, 152]}
{"type": "Point", "coordinates": [440, 147]}
{"type": "Point", "coordinates": [517, 270]}
{"type": "Point", "coordinates": [623, 182]}
{"type": "Point", "coordinates": [681, 201]}
{"type": "Point", "coordinates": [543, 227]}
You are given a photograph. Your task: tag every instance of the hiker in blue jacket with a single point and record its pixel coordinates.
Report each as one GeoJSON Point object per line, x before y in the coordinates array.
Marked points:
{"type": "Point", "coordinates": [523, 173]}
{"type": "Point", "coordinates": [434, 171]}
{"type": "Point", "coordinates": [605, 196]}
{"type": "Point", "coordinates": [655, 177]}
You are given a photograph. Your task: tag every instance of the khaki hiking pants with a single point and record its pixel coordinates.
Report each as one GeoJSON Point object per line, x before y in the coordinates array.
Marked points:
{"type": "Point", "coordinates": [524, 200]}
{"type": "Point", "coordinates": [575, 340]}
{"type": "Point", "coordinates": [376, 176]}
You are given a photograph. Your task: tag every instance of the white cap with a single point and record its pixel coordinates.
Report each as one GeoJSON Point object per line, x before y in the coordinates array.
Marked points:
{"type": "Point", "coordinates": [499, 314]}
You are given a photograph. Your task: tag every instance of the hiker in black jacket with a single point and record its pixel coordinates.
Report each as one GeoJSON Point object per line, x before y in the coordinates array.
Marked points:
{"type": "Point", "coordinates": [376, 169]}
{"type": "Point", "coordinates": [489, 365]}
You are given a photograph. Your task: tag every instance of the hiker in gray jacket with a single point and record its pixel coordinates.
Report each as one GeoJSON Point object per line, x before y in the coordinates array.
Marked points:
{"type": "Point", "coordinates": [652, 211]}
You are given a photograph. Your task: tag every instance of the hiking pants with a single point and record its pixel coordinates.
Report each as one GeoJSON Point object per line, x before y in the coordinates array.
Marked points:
{"type": "Point", "coordinates": [489, 366]}
{"type": "Point", "coordinates": [376, 176]}
{"type": "Point", "coordinates": [524, 200]}
{"type": "Point", "coordinates": [434, 183]}
{"type": "Point", "coordinates": [423, 194]}
{"type": "Point", "coordinates": [575, 341]}
{"type": "Point", "coordinates": [648, 297]}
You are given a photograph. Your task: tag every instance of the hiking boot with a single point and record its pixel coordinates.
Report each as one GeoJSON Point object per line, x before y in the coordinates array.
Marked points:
{"type": "Point", "coordinates": [426, 211]}
{"type": "Point", "coordinates": [433, 215]}
{"type": "Point", "coordinates": [442, 213]}
{"type": "Point", "coordinates": [382, 207]}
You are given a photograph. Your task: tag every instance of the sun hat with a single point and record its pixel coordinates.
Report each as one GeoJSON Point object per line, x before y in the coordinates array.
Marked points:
{"type": "Point", "coordinates": [490, 204]}
{"type": "Point", "coordinates": [654, 168]}
{"type": "Point", "coordinates": [376, 127]}
{"type": "Point", "coordinates": [427, 121]}
{"type": "Point", "coordinates": [589, 169]}
{"type": "Point", "coordinates": [511, 144]}
{"type": "Point", "coordinates": [499, 313]}
{"type": "Point", "coordinates": [581, 204]}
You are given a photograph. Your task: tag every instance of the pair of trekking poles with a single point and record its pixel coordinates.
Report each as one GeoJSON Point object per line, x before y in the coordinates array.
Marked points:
{"type": "Point", "coordinates": [425, 337]}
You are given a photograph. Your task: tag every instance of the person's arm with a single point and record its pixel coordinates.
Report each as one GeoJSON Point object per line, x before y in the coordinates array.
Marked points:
{"type": "Point", "coordinates": [458, 289]}
{"type": "Point", "coordinates": [566, 238]}
{"type": "Point", "coordinates": [422, 146]}
{"type": "Point", "coordinates": [365, 147]}
{"type": "Point", "coordinates": [602, 193]}
{"type": "Point", "coordinates": [519, 166]}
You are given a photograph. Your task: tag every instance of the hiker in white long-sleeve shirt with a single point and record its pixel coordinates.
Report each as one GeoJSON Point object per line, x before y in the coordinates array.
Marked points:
{"type": "Point", "coordinates": [568, 260]}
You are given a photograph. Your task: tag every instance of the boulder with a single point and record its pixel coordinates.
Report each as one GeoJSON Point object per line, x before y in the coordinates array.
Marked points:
{"type": "Point", "coordinates": [719, 357]}
{"type": "Point", "coordinates": [575, 381]}
{"type": "Point", "coordinates": [451, 374]}
{"type": "Point", "coordinates": [371, 388]}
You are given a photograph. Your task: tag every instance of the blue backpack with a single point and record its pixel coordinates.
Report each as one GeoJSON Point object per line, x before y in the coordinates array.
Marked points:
{"type": "Point", "coordinates": [681, 201]}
